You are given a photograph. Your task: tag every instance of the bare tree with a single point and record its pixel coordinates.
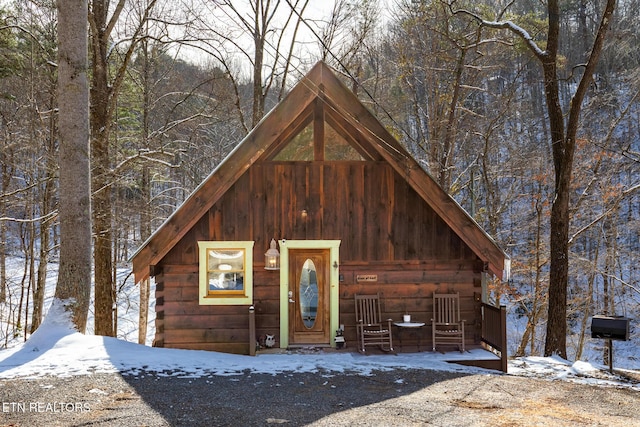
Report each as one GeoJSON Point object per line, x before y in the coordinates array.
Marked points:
{"type": "Point", "coordinates": [563, 144]}
{"type": "Point", "coordinates": [29, 148]}
{"type": "Point", "coordinates": [262, 34]}
{"type": "Point", "coordinates": [444, 84]}
{"type": "Point", "coordinates": [74, 277]}
{"type": "Point", "coordinates": [104, 93]}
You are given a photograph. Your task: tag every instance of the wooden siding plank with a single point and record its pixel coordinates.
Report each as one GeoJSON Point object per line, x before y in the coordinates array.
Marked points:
{"type": "Point", "coordinates": [204, 335]}
{"type": "Point", "coordinates": [298, 203]}
{"type": "Point", "coordinates": [228, 211]}
{"type": "Point", "coordinates": [181, 293]}
{"type": "Point", "coordinates": [402, 221]}
{"type": "Point", "coordinates": [191, 321]}
{"type": "Point", "coordinates": [286, 199]}
{"type": "Point", "coordinates": [268, 324]}
{"type": "Point", "coordinates": [371, 238]}
{"type": "Point", "coordinates": [234, 348]}
{"type": "Point", "coordinates": [346, 224]}
{"type": "Point", "coordinates": [193, 308]}
{"type": "Point", "coordinates": [215, 223]}
{"type": "Point", "coordinates": [424, 238]}
{"type": "Point", "coordinates": [331, 200]}
{"type": "Point", "coordinates": [315, 201]}
{"type": "Point", "coordinates": [386, 210]}
{"type": "Point", "coordinates": [258, 211]}
{"type": "Point", "coordinates": [241, 217]}
{"type": "Point", "coordinates": [273, 198]}
{"type": "Point", "coordinates": [356, 230]}
{"type": "Point", "coordinates": [168, 268]}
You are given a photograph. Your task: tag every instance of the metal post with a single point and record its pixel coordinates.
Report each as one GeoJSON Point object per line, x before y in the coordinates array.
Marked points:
{"type": "Point", "coordinates": [610, 355]}
{"type": "Point", "coordinates": [252, 331]}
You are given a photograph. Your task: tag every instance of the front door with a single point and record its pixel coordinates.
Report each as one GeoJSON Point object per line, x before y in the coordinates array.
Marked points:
{"type": "Point", "coordinates": [309, 297]}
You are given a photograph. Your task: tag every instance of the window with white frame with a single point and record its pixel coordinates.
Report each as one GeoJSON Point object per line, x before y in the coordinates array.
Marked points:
{"type": "Point", "coordinates": [226, 272]}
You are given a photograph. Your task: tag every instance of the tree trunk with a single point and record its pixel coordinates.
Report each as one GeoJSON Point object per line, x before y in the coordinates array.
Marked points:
{"type": "Point", "coordinates": [45, 224]}
{"type": "Point", "coordinates": [563, 149]}
{"type": "Point", "coordinates": [104, 92]}
{"type": "Point", "coordinates": [587, 304]}
{"type": "Point", "coordinates": [5, 180]}
{"type": "Point", "coordinates": [30, 253]}
{"type": "Point", "coordinates": [41, 282]}
{"type": "Point", "coordinates": [74, 277]}
{"type": "Point", "coordinates": [102, 231]}
{"type": "Point", "coordinates": [3, 257]}
{"type": "Point", "coordinates": [258, 40]}
{"type": "Point", "coordinates": [143, 318]}
{"type": "Point", "coordinates": [563, 145]}
{"type": "Point", "coordinates": [556, 338]}
{"type": "Point", "coordinates": [555, 342]}
{"type": "Point", "coordinates": [101, 177]}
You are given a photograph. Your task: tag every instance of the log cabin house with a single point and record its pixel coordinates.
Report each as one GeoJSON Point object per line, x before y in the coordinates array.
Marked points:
{"type": "Point", "coordinates": [343, 202]}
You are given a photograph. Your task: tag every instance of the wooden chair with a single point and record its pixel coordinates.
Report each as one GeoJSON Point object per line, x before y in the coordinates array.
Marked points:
{"type": "Point", "coordinates": [371, 329]}
{"type": "Point", "coordinates": [446, 325]}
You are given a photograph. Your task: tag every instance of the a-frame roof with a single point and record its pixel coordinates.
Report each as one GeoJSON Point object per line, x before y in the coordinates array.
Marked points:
{"type": "Point", "coordinates": [345, 112]}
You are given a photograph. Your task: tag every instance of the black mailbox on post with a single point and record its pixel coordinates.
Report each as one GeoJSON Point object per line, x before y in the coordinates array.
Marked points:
{"type": "Point", "coordinates": [610, 327]}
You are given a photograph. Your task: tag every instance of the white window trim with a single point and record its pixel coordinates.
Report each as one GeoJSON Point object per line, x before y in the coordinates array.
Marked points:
{"type": "Point", "coordinates": [204, 298]}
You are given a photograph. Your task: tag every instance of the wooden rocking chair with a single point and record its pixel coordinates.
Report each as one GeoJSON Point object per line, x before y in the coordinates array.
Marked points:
{"type": "Point", "coordinates": [446, 325]}
{"type": "Point", "coordinates": [371, 329]}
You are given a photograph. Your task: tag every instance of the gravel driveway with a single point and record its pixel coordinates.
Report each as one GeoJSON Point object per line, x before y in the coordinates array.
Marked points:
{"type": "Point", "coordinates": [388, 398]}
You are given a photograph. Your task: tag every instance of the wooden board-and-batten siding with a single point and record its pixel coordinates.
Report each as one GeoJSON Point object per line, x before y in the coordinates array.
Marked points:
{"type": "Point", "coordinates": [386, 230]}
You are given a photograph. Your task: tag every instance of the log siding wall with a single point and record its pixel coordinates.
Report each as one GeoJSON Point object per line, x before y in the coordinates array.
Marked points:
{"type": "Point", "coordinates": [385, 229]}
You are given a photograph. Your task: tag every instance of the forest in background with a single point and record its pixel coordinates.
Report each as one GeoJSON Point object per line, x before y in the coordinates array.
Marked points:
{"type": "Point", "coordinates": [178, 85]}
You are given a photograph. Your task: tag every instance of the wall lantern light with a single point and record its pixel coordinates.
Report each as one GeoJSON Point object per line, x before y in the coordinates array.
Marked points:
{"type": "Point", "coordinates": [272, 257]}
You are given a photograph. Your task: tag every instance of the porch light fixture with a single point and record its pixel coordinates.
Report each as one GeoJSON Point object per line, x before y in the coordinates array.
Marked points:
{"type": "Point", "coordinates": [272, 257]}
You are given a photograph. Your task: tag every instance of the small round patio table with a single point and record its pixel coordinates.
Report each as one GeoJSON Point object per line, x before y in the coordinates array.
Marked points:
{"type": "Point", "coordinates": [409, 327]}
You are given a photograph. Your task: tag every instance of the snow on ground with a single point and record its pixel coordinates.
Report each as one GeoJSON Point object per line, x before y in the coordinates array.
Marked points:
{"type": "Point", "coordinates": [56, 349]}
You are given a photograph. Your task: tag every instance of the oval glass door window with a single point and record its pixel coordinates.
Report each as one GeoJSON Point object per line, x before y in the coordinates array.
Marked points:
{"type": "Point", "coordinates": [308, 294]}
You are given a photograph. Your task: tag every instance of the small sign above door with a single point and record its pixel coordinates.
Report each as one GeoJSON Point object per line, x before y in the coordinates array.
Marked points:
{"type": "Point", "coordinates": [366, 278]}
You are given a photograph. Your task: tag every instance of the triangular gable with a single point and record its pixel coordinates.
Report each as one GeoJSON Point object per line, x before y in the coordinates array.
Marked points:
{"type": "Point", "coordinates": [347, 116]}
{"type": "Point", "coordinates": [348, 107]}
